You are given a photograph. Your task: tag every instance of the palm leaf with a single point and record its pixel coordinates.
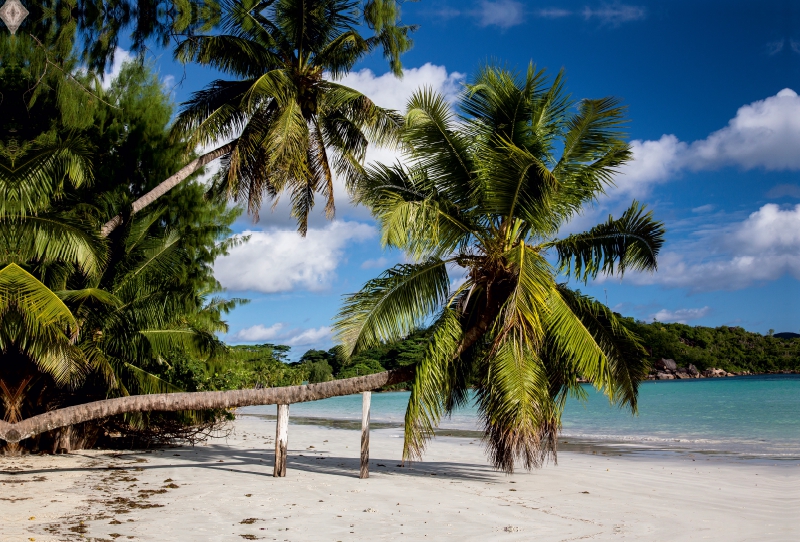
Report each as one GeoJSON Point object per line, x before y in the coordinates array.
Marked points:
{"type": "Point", "coordinates": [629, 242]}
{"type": "Point", "coordinates": [392, 305]}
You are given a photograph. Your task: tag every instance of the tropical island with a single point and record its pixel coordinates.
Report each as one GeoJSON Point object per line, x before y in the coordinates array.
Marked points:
{"type": "Point", "coordinates": [124, 413]}
{"type": "Point", "coordinates": [731, 349]}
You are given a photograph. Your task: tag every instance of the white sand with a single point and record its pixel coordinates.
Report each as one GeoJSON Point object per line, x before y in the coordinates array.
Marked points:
{"type": "Point", "coordinates": [225, 491]}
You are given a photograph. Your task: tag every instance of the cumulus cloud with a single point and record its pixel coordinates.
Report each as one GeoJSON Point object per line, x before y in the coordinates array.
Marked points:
{"type": "Point", "coordinates": [388, 91]}
{"type": "Point", "coordinates": [763, 135]}
{"type": "Point", "coordinates": [763, 247]}
{"type": "Point", "coordinates": [654, 162]}
{"type": "Point", "coordinates": [502, 13]}
{"type": "Point", "coordinates": [281, 261]}
{"type": "Point", "coordinates": [280, 333]}
{"type": "Point", "coordinates": [680, 316]}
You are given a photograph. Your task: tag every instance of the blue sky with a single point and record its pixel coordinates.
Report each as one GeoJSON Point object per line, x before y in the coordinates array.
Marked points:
{"type": "Point", "coordinates": [715, 125]}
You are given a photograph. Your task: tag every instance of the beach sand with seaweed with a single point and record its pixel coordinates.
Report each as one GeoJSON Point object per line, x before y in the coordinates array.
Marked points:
{"type": "Point", "coordinates": [224, 490]}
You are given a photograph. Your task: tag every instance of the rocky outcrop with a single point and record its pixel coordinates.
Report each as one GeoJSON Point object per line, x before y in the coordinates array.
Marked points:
{"type": "Point", "coordinates": [715, 373]}
{"type": "Point", "coordinates": [667, 369]}
{"type": "Point", "coordinates": [666, 365]}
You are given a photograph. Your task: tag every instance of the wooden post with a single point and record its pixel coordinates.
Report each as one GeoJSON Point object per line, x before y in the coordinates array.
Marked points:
{"type": "Point", "coordinates": [365, 400]}
{"type": "Point", "coordinates": [281, 440]}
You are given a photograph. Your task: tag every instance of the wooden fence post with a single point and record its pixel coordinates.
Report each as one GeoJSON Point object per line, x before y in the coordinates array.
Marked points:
{"type": "Point", "coordinates": [281, 440]}
{"type": "Point", "coordinates": [365, 401]}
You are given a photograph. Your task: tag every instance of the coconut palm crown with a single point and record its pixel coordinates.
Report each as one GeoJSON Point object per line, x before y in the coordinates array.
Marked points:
{"type": "Point", "coordinates": [293, 128]}
{"type": "Point", "coordinates": [484, 195]}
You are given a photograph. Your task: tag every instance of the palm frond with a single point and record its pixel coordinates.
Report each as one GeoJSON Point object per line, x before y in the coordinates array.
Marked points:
{"type": "Point", "coordinates": [426, 403]}
{"type": "Point", "coordinates": [632, 241]}
{"type": "Point", "coordinates": [392, 305]}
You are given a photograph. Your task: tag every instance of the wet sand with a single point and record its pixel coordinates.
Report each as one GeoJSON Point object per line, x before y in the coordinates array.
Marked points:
{"type": "Point", "coordinates": [224, 490]}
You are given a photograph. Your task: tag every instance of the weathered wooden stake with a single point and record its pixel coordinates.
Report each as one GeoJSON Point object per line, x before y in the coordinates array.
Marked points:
{"type": "Point", "coordinates": [281, 440]}
{"type": "Point", "coordinates": [365, 400]}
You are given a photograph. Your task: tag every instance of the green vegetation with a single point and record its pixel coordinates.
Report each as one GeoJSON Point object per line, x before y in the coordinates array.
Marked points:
{"type": "Point", "coordinates": [107, 241]}
{"type": "Point", "coordinates": [86, 315]}
{"type": "Point", "coordinates": [85, 318]}
{"type": "Point", "coordinates": [293, 128]}
{"type": "Point", "coordinates": [731, 348]}
{"type": "Point", "coordinates": [486, 189]}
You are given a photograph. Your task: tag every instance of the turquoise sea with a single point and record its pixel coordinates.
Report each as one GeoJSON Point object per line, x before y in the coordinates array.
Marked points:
{"type": "Point", "coordinates": [749, 416]}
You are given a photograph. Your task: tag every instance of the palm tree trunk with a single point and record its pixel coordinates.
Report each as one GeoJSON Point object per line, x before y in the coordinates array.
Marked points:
{"type": "Point", "coordinates": [168, 184]}
{"type": "Point", "coordinates": [171, 402]}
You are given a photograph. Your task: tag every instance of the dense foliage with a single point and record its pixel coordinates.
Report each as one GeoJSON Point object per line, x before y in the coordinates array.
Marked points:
{"type": "Point", "coordinates": [83, 317]}
{"type": "Point", "coordinates": [731, 348]}
{"type": "Point", "coordinates": [292, 128]}
{"type": "Point", "coordinates": [482, 194]}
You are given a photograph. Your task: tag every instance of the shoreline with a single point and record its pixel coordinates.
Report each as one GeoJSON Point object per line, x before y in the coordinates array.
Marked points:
{"type": "Point", "coordinates": [568, 443]}
{"type": "Point", "coordinates": [224, 490]}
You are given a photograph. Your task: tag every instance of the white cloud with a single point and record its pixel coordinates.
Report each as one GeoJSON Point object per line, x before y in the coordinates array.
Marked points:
{"type": "Point", "coordinates": [769, 228]}
{"type": "Point", "coordinates": [615, 14]}
{"type": "Point", "coordinates": [168, 82]}
{"type": "Point", "coordinates": [280, 333]}
{"type": "Point", "coordinates": [388, 91]}
{"type": "Point", "coordinates": [259, 332]}
{"type": "Point", "coordinates": [281, 261]}
{"type": "Point", "coordinates": [764, 134]}
{"type": "Point", "coordinates": [763, 247]}
{"type": "Point", "coordinates": [502, 13]}
{"type": "Point", "coordinates": [654, 162]}
{"type": "Point", "coordinates": [704, 208]}
{"type": "Point", "coordinates": [311, 336]}
{"type": "Point", "coordinates": [680, 316]}
{"type": "Point", "coordinates": [121, 56]}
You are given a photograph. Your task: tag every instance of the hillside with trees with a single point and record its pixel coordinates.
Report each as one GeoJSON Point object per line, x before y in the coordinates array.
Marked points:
{"type": "Point", "coordinates": [733, 349]}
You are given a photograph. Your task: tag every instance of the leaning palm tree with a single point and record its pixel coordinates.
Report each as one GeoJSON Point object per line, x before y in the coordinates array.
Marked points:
{"type": "Point", "coordinates": [77, 320]}
{"type": "Point", "coordinates": [290, 127]}
{"type": "Point", "coordinates": [478, 206]}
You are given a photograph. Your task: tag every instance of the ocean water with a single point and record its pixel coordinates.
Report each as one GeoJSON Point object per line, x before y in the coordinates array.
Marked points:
{"type": "Point", "coordinates": [750, 416]}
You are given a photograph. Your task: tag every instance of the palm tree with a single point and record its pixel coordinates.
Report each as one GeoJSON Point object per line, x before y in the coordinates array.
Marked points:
{"type": "Point", "coordinates": [484, 195]}
{"type": "Point", "coordinates": [82, 317]}
{"type": "Point", "coordinates": [290, 126]}
{"type": "Point", "coordinates": [173, 402]}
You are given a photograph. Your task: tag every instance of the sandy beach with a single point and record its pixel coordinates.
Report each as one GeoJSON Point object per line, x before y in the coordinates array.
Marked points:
{"type": "Point", "coordinates": [224, 490]}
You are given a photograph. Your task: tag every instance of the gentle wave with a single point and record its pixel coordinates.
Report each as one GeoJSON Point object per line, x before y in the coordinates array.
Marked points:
{"type": "Point", "coordinates": [754, 416]}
